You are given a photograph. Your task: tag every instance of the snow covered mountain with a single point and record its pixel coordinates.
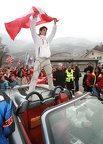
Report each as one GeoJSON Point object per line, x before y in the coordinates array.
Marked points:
{"type": "Point", "coordinates": [64, 46]}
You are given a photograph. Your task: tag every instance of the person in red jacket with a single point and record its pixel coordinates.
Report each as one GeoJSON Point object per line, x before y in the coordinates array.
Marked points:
{"type": "Point", "coordinates": [98, 76]}
{"type": "Point", "coordinates": [90, 81]}
{"type": "Point", "coordinates": [99, 84]}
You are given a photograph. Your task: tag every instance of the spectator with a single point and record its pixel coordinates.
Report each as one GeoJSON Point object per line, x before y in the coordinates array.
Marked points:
{"type": "Point", "coordinates": [90, 67]}
{"type": "Point", "coordinates": [85, 66]}
{"type": "Point", "coordinates": [6, 73]}
{"type": "Point", "coordinates": [28, 79]}
{"type": "Point", "coordinates": [42, 73]}
{"type": "Point", "coordinates": [90, 81]}
{"type": "Point", "coordinates": [59, 76]}
{"type": "Point", "coordinates": [28, 73]}
{"type": "Point", "coordinates": [99, 84]}
{"type": "Point", "coordinates": [12, 81]}
{"type": "Point", "coordinates": [70, 75]}
{"type": "Point", "coordinates": [54, 69]}
{"type": "Point", "coordinates": [84, 81]}
{"type": "Point", "coordinates": [12, 69]}
{"type": "Point", "coordinates": [1, 72]}
{"type": "Point", "coordinates": [31, 71]}
{"type": "Point", "coordinates": [100, 66]}
{"type": "Point", "coordinates": [77, 72]}
{"type": "Point", "coordinates": [3, 83]}
{"type": "Point", "coordinates": [21, 78]}
{"type": "Point", "coordinates": [98, 77]}
{"type": "Point", "coordinates": [16, 72]}
{"type": "Point", "coordinates": [7, 125]}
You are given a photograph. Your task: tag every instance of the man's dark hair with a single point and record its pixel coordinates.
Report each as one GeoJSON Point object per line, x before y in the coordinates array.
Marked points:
{"type": "Point", "coordinates": [43, 27]}
{"type": "Point", "coordinates": [11, 75]}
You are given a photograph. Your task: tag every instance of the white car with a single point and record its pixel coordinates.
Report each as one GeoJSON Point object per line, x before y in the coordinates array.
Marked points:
{"type": "Point", "coordinates": [56, 119]}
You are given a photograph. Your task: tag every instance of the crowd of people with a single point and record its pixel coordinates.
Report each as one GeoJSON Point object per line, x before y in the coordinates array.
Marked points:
{"type": "Point", "coordinates": [66, 77]}
{"type": "Point", "coordinates": [11, 77]}
{"type": "Point", "coordinates": [69, 77]}
{"type": "Point", "coordinates": [93, 79]}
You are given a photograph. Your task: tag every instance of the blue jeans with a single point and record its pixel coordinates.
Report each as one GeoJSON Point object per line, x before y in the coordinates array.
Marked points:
{"type": "Point", "coordinates": [76, 85]}
{"type": "Point", "coordinates": [96, 91]}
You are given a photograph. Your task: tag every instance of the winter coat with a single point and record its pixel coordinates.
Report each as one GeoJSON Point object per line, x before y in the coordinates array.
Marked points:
{"type": "Point", "coordinates": [59, 77]}
{"type": "Point", "coordinates": [99, 83]}
{"type": "Point", "coordinates": [42, 44]}
{"type": "Point", "coordinates": [13, 83]}
{"type": "Point", "coordinates": [4, 85]}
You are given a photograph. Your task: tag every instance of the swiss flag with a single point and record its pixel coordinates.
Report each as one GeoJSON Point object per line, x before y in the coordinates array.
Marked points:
{"type": "Point", "coordinates": [14, 27]}
{"type": "Point", "coordinates": [9, 60]}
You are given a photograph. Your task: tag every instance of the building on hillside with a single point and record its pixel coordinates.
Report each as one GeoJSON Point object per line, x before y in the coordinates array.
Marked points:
{"type": "Point", "coordinates": [95, 53]}
{"type": "Point", "coordinates": [80, 61]}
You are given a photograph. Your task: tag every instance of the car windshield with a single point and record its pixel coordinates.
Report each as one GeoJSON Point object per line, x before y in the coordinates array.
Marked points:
{"type": "Point", "coordinates": [79, 122]}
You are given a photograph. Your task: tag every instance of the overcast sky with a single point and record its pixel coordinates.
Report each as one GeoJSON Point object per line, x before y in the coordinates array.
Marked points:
{"type": "Point", "coordinates": [77, 18]}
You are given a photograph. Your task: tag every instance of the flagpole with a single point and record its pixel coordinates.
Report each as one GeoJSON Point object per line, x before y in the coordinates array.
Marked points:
{"type": "Point", "coordinates": [18, 63]}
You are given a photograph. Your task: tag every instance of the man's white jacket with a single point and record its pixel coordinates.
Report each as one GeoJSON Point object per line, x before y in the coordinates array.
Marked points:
{"type": "Point", "coordinates": [42, 44]}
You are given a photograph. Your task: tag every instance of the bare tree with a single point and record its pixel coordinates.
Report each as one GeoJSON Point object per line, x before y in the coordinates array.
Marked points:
{"type": "Point", "coordinates": [3, 52]}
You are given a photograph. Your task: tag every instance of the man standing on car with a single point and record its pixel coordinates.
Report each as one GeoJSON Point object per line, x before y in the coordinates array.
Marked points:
{"type": "Point", "coordinates": [42, 49]}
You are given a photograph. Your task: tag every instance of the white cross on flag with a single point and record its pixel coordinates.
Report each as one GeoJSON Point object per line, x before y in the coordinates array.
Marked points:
{"type": "Point", "coordinates": [9, 60]}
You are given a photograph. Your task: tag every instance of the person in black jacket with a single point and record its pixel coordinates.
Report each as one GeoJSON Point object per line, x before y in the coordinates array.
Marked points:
{"type": "Point", "coordinates": [89, 67]}
{"type": "Point", "coordinates": [77, 75]}
{"type": "Point", "coordinates": [84, 82]}
{"type": "Point", "coordinates": [59, 76]}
